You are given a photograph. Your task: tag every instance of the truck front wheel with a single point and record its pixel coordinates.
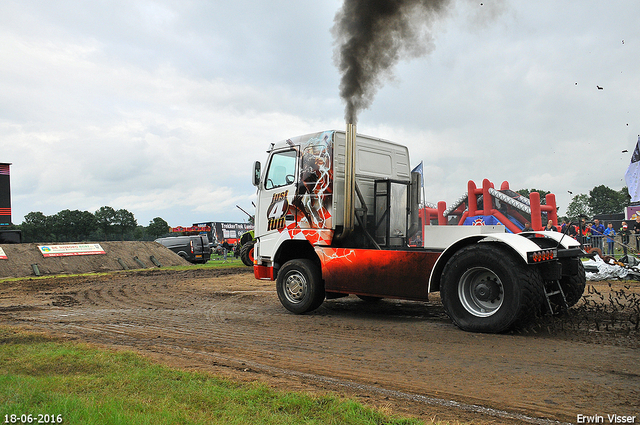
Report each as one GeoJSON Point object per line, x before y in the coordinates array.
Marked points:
{"type": "Point", "coordinates": [484, 288]}
{"type": "Point", "coordinates": [299, 286]}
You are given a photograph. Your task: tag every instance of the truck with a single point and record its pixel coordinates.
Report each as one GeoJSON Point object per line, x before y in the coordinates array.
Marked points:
{"type": "Point", "coordinates": [335, 212]}
{"type": "Point", "coordinates": [247, 241]}
{"type": "Point", "coordinates": [193, 248]}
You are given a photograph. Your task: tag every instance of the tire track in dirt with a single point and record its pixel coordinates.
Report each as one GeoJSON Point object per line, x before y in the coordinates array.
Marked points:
{"type": "Point", "coordinates": [410, 348]}
{"type": "Point", "coordinates": [141, 329]}
{"type": "Point", "coordinates": [250, 366]}
{"type": "Point", "coordinates": [229, 332]}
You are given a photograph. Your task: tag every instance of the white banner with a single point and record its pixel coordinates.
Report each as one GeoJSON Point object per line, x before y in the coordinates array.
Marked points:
{"type": "Point", "coordinates": [632, 176]}
{"type": "Point", "coordinates": [67, 250]}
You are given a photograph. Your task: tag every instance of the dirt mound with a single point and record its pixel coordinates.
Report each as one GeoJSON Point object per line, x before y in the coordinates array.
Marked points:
{"type": "Point", "coordinates": [119, 256]}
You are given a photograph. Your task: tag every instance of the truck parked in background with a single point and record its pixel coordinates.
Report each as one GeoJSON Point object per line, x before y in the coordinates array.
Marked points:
{"type": "Point", "coordinates": [247, 241]}
{"type": "Point", "coordinates": [334, 217]}
{"type": "Point", "coordinates": [193, 248]}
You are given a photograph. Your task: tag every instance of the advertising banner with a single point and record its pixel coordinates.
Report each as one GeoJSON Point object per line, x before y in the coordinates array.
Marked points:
{"type": "Point", "coordinates": [192, 229]}
{"type": "Point", "coordinates": [220, 231]}
{"type": "Point", "coordinates": [632, 212]}
{"type": "Point", "coordinates": [69, 250]}
{"type": "Point", "coordinates": [3, 256]}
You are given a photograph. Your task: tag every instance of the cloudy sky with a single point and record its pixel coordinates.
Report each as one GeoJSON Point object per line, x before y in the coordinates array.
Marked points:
{"type": "Point", "coordinates": [161, 107]}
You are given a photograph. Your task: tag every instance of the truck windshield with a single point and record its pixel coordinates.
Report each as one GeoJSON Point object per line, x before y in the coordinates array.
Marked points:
{"type": "Point", "coordinates": [282, 169]}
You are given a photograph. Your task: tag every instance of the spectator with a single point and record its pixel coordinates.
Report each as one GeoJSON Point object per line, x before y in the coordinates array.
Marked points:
{"type": "Point", "coordinates": [550, 227]}
{"type": "Point", "coordinates": [611, 233]}
{"type": "Point", "coordinates": [564, 225]}
{"type": "Point", "coordinates": [597, 230]}
{"type": "Point", "coordinates": [625, 233]}
{"type": "Point", "coordinates": [527, 227]}
{"type": "Point", "coordinates": [586, 236]}
{"type": "Point", "coordinates": [582, 229]}
{"type": "Point", "coordinates": [225, 249]}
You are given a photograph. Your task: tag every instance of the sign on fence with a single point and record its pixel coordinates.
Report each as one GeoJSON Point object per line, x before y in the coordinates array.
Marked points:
{"type": "Point", "coordinates": [67, 250]}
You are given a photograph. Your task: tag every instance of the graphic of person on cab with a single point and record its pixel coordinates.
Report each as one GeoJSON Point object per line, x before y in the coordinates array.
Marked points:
{"type": "Point", "coordinates": [315, 183]}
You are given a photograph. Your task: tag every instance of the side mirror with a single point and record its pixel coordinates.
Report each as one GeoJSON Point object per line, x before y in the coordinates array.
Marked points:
{"type": "Point", "coordinates": [256, 173]}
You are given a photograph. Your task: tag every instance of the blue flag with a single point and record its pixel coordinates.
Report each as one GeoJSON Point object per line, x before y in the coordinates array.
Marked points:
{"type": "Point", "coordinates": [419, 169]}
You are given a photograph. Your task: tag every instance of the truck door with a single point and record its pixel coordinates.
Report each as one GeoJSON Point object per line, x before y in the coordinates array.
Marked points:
{"type": "Point", "coordinates": [275, 197]}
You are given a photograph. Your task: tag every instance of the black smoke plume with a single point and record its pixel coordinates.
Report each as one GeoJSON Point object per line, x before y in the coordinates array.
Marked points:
{"type": "Point", "coordinates": [372, 36]}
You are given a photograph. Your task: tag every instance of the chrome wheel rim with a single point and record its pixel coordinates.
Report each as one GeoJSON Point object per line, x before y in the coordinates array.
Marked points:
{"type": "Point", "coordinates": [481, 292]}
{"type": "Point", "coordinates": [295, 287]}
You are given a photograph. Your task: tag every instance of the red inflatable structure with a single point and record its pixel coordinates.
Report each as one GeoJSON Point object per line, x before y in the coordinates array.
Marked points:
{"type": "Point", "coordinates": [487, 205]}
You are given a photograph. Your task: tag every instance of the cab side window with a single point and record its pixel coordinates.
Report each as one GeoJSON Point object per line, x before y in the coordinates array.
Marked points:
{"type": "Point", "coordinates": [282, 170]}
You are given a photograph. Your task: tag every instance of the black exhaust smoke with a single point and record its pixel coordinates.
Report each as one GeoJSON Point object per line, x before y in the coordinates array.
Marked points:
{"type": "Point", "coordinates": [372, 36]}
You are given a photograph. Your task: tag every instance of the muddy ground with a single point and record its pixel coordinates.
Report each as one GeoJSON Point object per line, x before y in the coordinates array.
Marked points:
{"type": "Point", "coordinates": [404, 357]}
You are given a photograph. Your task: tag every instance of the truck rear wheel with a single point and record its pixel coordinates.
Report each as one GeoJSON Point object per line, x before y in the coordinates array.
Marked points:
{"type": "Point", "coordinates": [299, 286]}
{"type": "Point", "coordinates": [573, 286]}
{"type": "Point", "coordinates": [246, 253]}
{"type": "Point", "coordinates": [484, 288]}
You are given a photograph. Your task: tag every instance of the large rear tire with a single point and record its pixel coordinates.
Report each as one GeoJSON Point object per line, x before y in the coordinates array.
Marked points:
{"type": "Point", "coordinates": [573, 286]}
{"type": "Point", "coordinates": [485, 288]}
{"type": "Point", "coordinates": [299, 286]}
{"type": "Point", "coordinates": [246, 253]}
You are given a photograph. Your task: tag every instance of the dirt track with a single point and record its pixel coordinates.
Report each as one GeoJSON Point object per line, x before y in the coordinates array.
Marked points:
{"type": "Point", "coordinates": [403, 356]}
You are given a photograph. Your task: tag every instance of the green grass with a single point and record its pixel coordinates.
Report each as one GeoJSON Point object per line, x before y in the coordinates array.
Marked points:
{"type": "Point", "coordinates": [219, 262]}
{"type": "Point", "coordinates": [215, 262]}
{"type": "Point", "coordinates": [85, 385]}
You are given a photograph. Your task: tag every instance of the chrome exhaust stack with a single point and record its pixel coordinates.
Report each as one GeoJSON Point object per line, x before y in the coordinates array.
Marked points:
{"type": "Point", "coordinates": [349, 182]}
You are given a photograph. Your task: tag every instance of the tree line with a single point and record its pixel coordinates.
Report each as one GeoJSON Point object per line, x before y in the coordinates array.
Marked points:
{"type": "Point", "coordinates": [600, 200]}
{"type": "Point", "coordinates": [110, 224]}
{"type": "Point", "coordinates": [105, 224]}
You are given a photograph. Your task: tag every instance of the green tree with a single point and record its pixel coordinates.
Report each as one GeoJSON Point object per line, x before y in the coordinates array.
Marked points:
{"type": "Point", "coordinates": [578, 206]}
{"type": "Point", "coordinates": [86, 225]}
{"type": "Point", "coordinates": [139, 233]}
{"type": "Point", "coordinates": [604, 200]}
{"type": "Point", "coordinates": [105, 219]}
{"type": "Point", "coordinates": [62, 224]}
{"type": "Point", "coordinates": [74, 225]}
{"type": "Point", "coordinates": [624, 196]}
{"type": "Point", "coordinates": [157, 227]}
{"type": "Point", "coordinates": [36, 227]}
{"type": "Point", "coordinates": [124, 223]}
{"type": "Point", "coordinates": [527, 192]}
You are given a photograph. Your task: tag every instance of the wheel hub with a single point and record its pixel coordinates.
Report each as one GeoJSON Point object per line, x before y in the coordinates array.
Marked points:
{"type": "Point", "coordinates": [480, 292]}
{"type": "Point", "coordinates": [295, 287]}
{"type": "Point", "coordinates": [487, 290]}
